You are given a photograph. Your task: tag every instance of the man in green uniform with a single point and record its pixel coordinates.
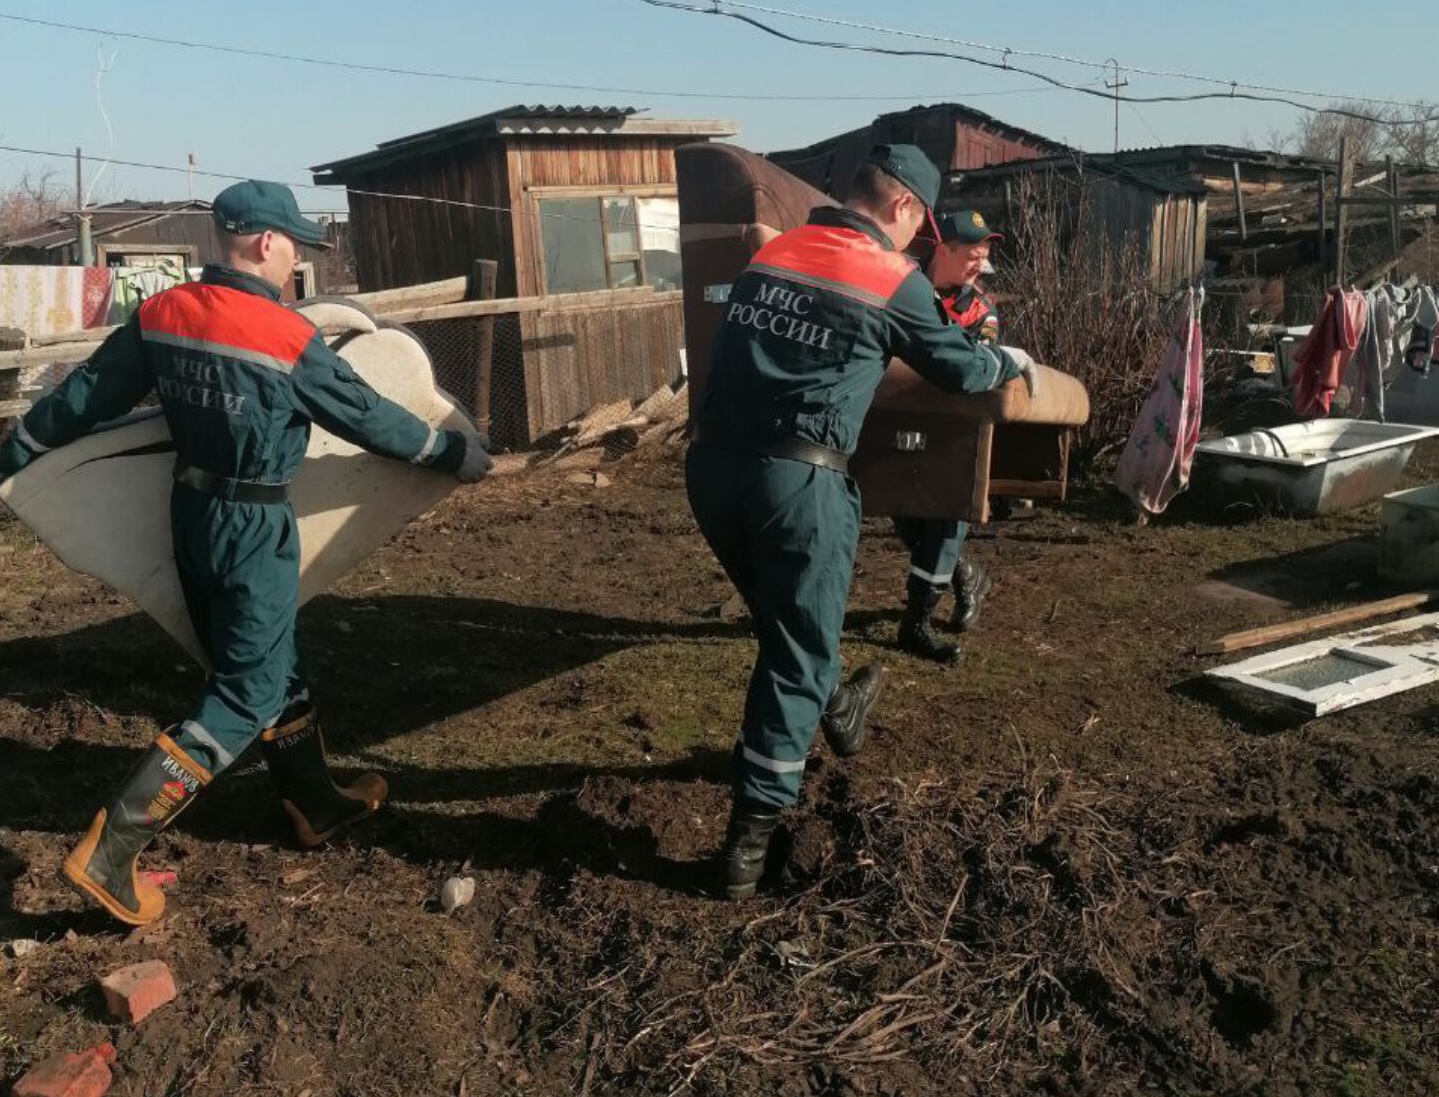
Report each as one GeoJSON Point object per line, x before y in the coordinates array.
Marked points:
{"type": "Point", "coordinates": [240, 379]}
{"type": "Point", "coordinates": [807, 331]}
{"type": "Point", "coordinates": [935, 544]}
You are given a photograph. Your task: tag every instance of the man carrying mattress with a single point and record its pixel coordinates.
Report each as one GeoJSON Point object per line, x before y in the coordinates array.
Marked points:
{"type": "Point", "coordinates": [240, 379]}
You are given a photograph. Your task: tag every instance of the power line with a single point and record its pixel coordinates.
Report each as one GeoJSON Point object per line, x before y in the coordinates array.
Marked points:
{"type": "Point", "coordinates": [388, 70]}
{"type": "Point", "coordinates": [886, 51]}
{"type": "Point", "coordinates": [1010, 51]}
{"type": "Point", "coordinates": [328, 187]}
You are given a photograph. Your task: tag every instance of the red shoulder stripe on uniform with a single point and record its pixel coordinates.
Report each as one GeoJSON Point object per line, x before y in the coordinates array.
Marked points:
{"type": "Point", "coordinates": [843, 259]}
{"type": "Point", "coordinates": [228, 317]}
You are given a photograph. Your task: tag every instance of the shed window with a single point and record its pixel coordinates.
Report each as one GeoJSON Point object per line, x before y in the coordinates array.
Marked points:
{"type": "Point", "coordinates": [609, 242]}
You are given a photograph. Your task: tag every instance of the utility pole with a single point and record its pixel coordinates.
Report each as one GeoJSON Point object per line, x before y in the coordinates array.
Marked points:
{"type": "Point", "coordinates": [86, 246]}
{"type": "Point", "coordinates": [190, 176]}
{"type": "Point", "coordinates": [1117, 83]}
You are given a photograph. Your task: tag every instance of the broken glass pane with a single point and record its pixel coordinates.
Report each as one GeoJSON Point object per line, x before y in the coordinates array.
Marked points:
{"type": "Point", "coordinates": [1329, 669]}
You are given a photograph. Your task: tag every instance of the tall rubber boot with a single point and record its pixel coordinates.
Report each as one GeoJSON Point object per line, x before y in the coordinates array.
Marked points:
{"type": "Point", "coordinates": [844, 716]}
{"type": "Point", "coordinates": [294, 750]}
{"type": "Point", "coordinates": [971, 584]}
{"type": "Point", "coordinates": [102, 866]}
{"type": "Point", "coordinates": [746, 844]}
{"type": "Point", "coordinates": [916, 632]}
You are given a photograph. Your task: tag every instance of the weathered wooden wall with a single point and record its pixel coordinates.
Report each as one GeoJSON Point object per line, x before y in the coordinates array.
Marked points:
{"type": "Point", "coordinates": [577, 359]}
{"type": "Point", "coordinates": [401, 242]}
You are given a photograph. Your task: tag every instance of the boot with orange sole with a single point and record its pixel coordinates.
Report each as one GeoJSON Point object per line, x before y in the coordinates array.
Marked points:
{"type": "Point", "coordinates": [295, 752]}
{"type": "Point", "coordinates": [103, 866]}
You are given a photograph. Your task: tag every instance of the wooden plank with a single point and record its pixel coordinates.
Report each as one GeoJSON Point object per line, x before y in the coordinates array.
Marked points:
{"type": "Point", "coordinates": [485, 279]}
{"type": "Point", "coordinates": [1344, 185]}
{"type": "Point", "coordinates": [1271, 634]}
{"type": "Point", "coordinates": [608, 298]}
{"type": "Point", "coordinates": [61, 354]}
{"type": "Point", "coordinates": [81, 335]}
{"type": "Point", "coordinates": [1391, 175]}
{"type": "Point", "coordinates": [445, 292]}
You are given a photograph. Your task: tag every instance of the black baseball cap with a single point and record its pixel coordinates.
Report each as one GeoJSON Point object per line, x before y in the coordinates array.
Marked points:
{"type": "Point", "coordinates": [255, 205]}
{"type": "Point", "coordinates": [966, 226]}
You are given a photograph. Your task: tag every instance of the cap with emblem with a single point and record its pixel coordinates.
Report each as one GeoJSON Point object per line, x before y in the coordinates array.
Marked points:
{"type": "Point", "coordinates": [254, 206]}
{"type": "Point", "coordinates": [911, 167]}
{"type": "Point", "coordinates": [966, 226]}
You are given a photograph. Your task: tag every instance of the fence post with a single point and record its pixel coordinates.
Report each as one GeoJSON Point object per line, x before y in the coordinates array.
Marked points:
{"type": "Point", "coordinates": [483, 280]}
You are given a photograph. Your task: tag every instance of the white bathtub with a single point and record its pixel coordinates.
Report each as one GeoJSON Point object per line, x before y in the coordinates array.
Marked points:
{"type": "Point", "coordinates": [1307, 468]}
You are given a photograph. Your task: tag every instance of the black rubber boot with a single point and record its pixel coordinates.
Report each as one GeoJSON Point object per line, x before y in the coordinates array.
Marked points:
{"type": "Point", "coordinates": [746, 845]}
{"type": "Point", "coordinates": [916, 632]}
{"type": "Point", "coordinates": [844, 716]}
{"type": "Point", "coordinates": [103, 866]}
{"type": "Point", "coordinates": [971, 584]}
{"type": "Point", "coordinates": [295, 752]}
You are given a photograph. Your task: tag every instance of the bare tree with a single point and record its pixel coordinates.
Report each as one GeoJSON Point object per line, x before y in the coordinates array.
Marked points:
{"type": "Point", "coordinates": [1317, 135]}
{"type": "Point", "coordinates": [1413, 134]}
{"type": "Point", "coordinates": [32, 199]}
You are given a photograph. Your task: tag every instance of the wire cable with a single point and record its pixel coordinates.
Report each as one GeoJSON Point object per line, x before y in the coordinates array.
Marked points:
{"type": "Point", "coordinates": [1011, 51]}
{"type": "Point", "coordinates": [887, 51]}
{"type": "Point", "coordinates": [390, 70]}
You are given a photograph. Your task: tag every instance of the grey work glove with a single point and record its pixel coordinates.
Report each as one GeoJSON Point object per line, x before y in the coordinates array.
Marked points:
{"type": "Point", "coordinates": [1026, 368]}
{"type": "Point", "coordinates": [476, 462]}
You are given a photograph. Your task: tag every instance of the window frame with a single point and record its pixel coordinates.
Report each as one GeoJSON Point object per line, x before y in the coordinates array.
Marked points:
{"type": "Point", "coordinates": [598, 194]}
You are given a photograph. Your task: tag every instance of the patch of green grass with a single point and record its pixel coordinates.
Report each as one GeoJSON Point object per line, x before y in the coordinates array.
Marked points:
{"type": "Point", "coordinates": [1350, 1080]}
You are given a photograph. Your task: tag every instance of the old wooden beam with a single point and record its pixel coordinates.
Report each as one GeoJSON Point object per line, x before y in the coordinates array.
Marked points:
{"type": "Point", "coordinates": [483, 281]}
{"type": "Point", "coordinates": [1391, 175]}
{"type": "Point", "coordinates": [1239, 203]}
{"type": "Point", "coordinates": [445, 292]}
{"type": "Point", "coordinates": [1344, 183]}
{"type": "Point", "coordinates": [1272, 634]}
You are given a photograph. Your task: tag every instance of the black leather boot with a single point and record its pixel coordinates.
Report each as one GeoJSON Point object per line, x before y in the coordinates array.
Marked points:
{"type": "Point", "coordinates": [844, 716]}
{"type": "Point", "coordinates": [971, 584]}
{"type": "Point", "coordinates": [746, 844]}
{"type": "Point", "coordinates": [295, 752]}
{"type": "Point", "coordinates": [102, 866]}
{"type": "Point", "coordinates": [916, 632]}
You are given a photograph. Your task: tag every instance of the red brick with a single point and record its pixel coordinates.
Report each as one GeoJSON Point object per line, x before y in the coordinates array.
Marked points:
{"type": "Point", "coordinates": [134, 991]}
{"type": "Point", "coordinates": [66, 1075]}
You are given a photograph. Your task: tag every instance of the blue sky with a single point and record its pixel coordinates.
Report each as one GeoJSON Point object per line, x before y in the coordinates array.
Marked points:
{"type": "Point", "coordinates": [274, 119]}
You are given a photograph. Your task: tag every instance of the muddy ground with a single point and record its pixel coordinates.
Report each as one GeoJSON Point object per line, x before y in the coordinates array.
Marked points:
{"type": "Point", "coordinates": [1063, 867]}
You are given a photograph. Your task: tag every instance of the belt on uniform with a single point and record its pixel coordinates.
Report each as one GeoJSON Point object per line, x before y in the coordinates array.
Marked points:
{"type": "Point", "coordinates": [223, 487]}
{"type": "Point", "coordinates": [791, 449]}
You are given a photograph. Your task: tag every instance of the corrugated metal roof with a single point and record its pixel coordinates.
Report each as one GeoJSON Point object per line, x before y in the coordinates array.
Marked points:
{"type": "Point", "coordinates": [104, 221]}
{"type": "Point", "coordinates": [569, 114]}
{"type": "Point", "coordinates": [597, 121]}
{"type": "Point", "coordinates": [883, 121]}
{"type": "Point", "coordinates": [1081, 162]}
{"type": "Point", "coordinates": [1261, 157]}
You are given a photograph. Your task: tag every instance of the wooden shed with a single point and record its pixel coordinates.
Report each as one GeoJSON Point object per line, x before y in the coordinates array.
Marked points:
{"type": "Point", "coordinates": [573, 204]}
{"type": "Point", "coordinates": [565, 199]}
{"type": "Point", "coordinates": [125, 234]}
{"type": "Point", "coordinates": [141, 234]}
{"type": "Point", "coordinates": [954, 137]}
{"type": "Point", "coordinates": [1166, 215]}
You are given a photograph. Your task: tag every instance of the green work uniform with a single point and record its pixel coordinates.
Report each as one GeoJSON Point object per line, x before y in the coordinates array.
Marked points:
{"type": "Point", "coordinates": [240, 378]}
{"type": "Point", "coordinates": [935, 544]}
{"type": "Point", "coordinates": [808, 329]}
